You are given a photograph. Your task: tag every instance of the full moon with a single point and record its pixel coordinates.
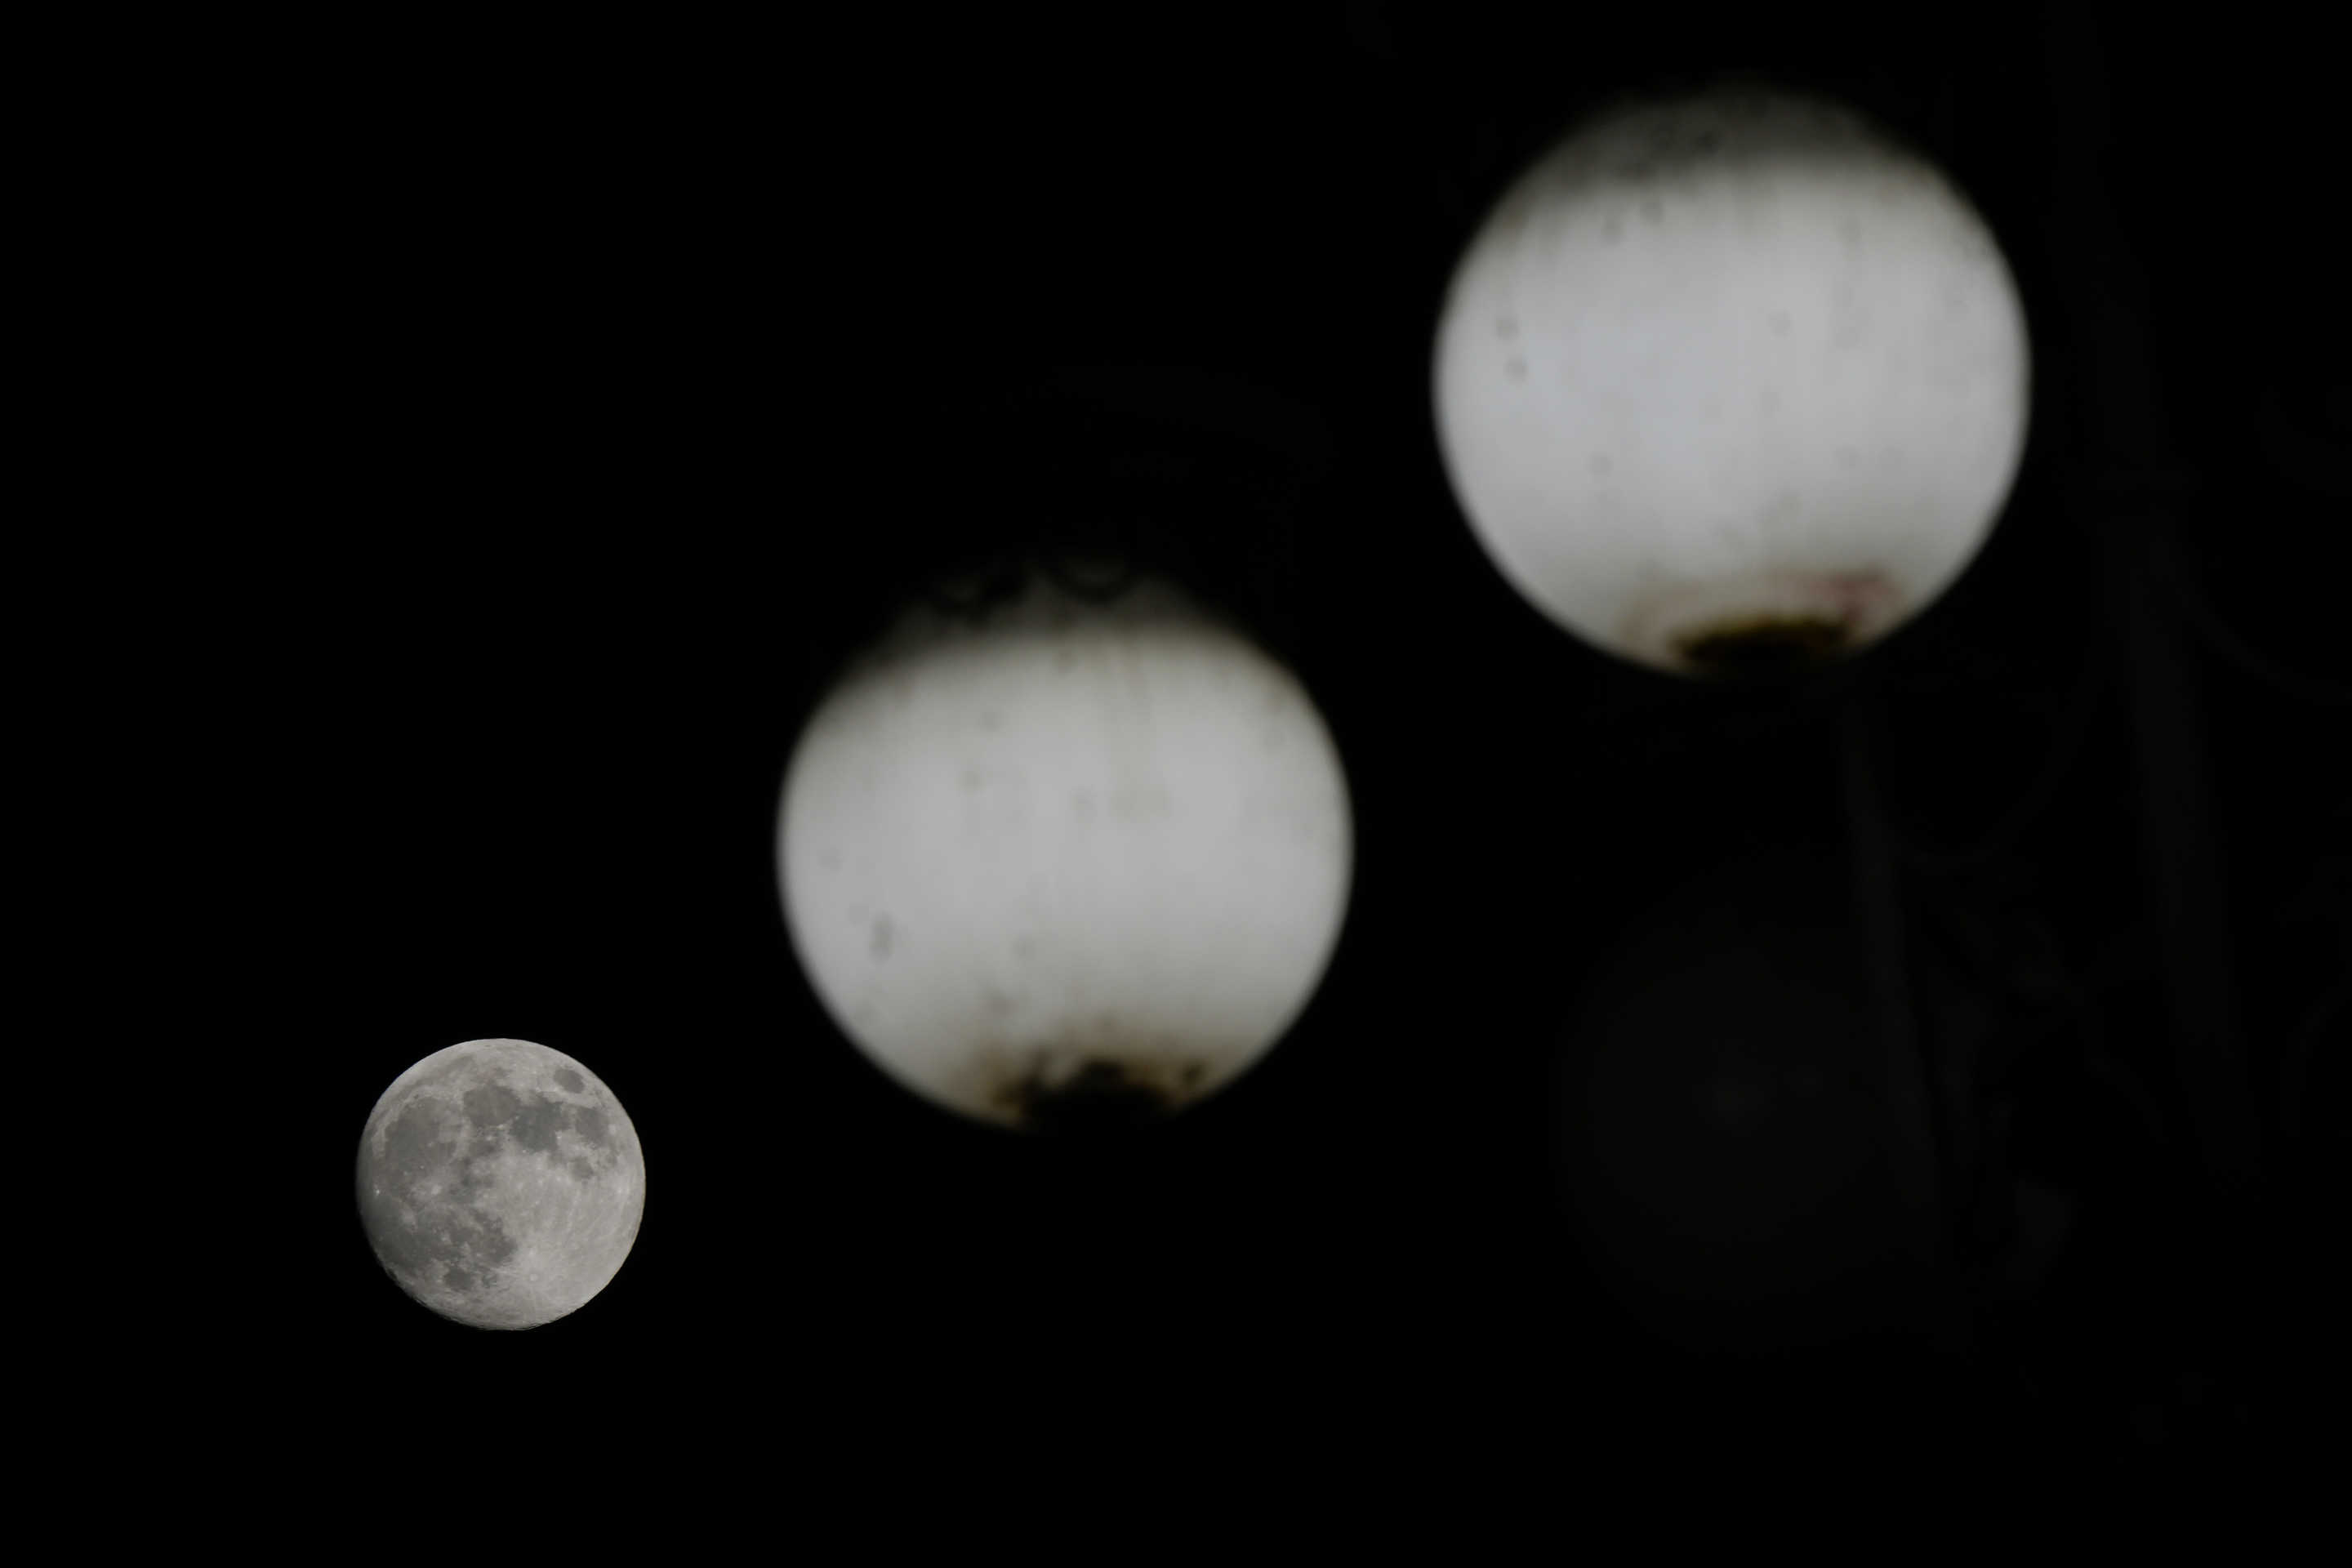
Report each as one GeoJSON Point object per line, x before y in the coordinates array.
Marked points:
{"type": "Point", "coordinates": [1072, 866]}
{"type": "Point", "coordinates": [500, 1184]}
{"type": "Point", "coordinates": [1731, 382]}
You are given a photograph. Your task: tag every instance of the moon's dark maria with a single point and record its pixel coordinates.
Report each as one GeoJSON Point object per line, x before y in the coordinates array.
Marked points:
{"type": "Point", "coordinates": [500, 1184]}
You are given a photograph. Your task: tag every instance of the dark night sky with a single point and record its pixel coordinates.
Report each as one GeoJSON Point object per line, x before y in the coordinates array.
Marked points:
{"type": "Point", "coordinates": [616, 387]}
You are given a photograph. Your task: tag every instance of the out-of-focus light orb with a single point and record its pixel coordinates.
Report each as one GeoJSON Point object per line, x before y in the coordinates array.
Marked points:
{"type": "Point", "coordinates": [1070, 866]}
{"type": "Point", "coordinates": [1732, 381]}
{"type": "Point", "coordinates": [1722, 1143]}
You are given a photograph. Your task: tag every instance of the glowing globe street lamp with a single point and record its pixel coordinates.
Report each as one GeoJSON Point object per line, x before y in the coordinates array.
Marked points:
{"type": "Point", "coordinates": [1731, 380]}
{"type": "Point", "coordinates": [1067, 864]}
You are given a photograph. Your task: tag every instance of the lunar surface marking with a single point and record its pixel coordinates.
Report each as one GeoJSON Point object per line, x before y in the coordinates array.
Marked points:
{"type": "Point", "coordinates": [500, 1184]}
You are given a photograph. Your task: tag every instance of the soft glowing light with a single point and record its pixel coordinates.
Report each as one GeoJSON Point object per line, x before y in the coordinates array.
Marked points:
{"type": "Point", "coordinates": [1076, 863]}
{"type": "Point", "coordinates": [1731, 381]}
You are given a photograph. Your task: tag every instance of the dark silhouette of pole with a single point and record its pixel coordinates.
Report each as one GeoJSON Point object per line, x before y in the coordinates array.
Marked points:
{"type": "Point", "coordinates": [2136, 490]}
{"type": "Point", "coordinates": [1919, 1123]}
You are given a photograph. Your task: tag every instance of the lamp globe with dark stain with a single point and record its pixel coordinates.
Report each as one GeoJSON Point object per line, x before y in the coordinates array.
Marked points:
{"type": "Point", "coordinates": [1732, 384]}
{"type": "Point", "coordinates": [500, 1184]}
{"type": "Point", "coordinates": [1069, 866]}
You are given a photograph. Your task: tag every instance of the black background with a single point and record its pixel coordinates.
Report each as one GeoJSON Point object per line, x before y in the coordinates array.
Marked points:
{"type": "Point", "coordinates": [594, 394]}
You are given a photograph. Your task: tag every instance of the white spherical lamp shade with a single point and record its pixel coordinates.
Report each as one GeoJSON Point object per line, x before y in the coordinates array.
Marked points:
{"type": "Point", "coordinates": [1072, 865]}
{"type": "Point", "coordinates": [1731, 380]}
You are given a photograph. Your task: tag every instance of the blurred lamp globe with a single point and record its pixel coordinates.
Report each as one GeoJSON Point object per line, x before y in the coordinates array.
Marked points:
{"type": "Point", "coordinates": [1731, 382]}
{"type": "Point", "coordinates": [1068, 861]}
